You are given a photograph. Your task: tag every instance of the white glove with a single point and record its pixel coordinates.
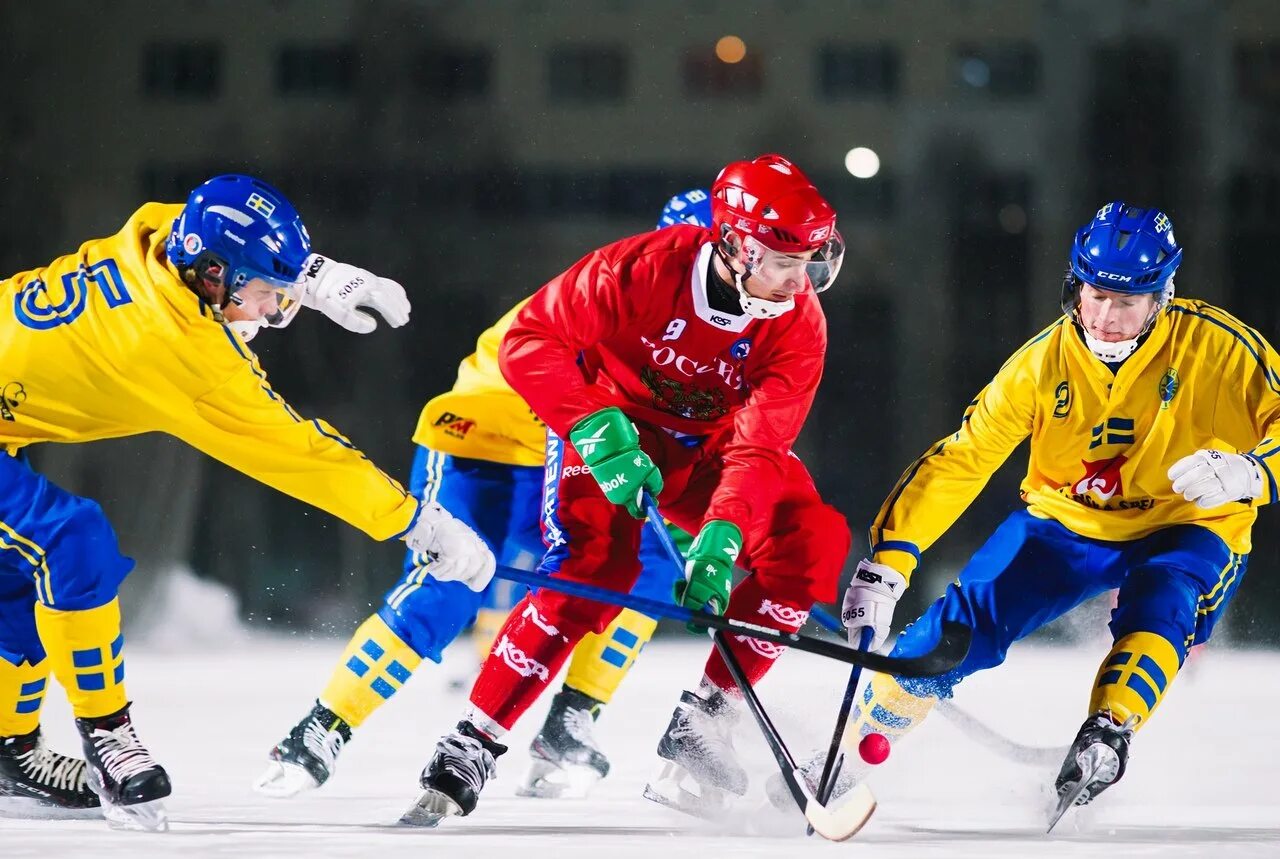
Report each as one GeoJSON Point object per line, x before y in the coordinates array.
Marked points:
{"type": "Point", "coordinates": [340, 291]}
{"type": "Point", "coordinates": [458, 553]}
{"type": "Point", "coordinates": [1212, 477]}
{"type": "Point", "coordinates": [870, 600]}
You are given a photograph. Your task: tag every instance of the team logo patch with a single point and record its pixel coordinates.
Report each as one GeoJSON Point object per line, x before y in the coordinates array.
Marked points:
{"type": "Point", "coordinates": [820, 234]}
{"type": "Point", "coordinates": [192, 244]}
{"type": "Point", "coordinates": [518, 662]}
{"type": "Point", "coordinates": [454, 425]}
{"type": "Point", "coordinates": [784, 614]}
{"type": "Point", "coordinates": [1168, 387]}
{"type": "Point", "coordinates": [741, 349]}
{"type": "Point", "coordinates": [767, 649]}
{"type": "Point", "coordinates": [1101, 478]}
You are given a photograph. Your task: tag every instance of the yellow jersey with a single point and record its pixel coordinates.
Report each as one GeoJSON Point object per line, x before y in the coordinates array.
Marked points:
{"type": "Point", "coordinates": [1102, 442]}
{"type": "Point", "coordinates": [109, 342]}
{"type": "Point", "coordinates": [481, 417]}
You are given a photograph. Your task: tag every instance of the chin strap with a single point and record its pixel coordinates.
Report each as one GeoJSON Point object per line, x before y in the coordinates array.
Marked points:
{"type": "Point", "coordinates": [760, 308]}
{"type": "Point", "coordinates": [1107, 351]}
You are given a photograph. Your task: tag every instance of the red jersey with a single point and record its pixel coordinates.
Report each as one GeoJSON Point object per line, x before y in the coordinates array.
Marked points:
{"type": "Point", "coordinates": [630, 325]}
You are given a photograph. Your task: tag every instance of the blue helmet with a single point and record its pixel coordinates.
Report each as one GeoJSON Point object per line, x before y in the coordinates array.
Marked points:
{"type": "Point", "coordinates": [691, 207]}
{"type": "Point", "coordinates": [235, 229]}
{"type": "Point", "coordinates": [1126, 249]}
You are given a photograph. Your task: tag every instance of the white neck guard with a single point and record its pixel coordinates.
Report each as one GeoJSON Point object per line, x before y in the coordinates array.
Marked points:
{"type": "Point", "coordinates": [760, 308]}
{"type": "Point", "coordinates": [1107, 352]}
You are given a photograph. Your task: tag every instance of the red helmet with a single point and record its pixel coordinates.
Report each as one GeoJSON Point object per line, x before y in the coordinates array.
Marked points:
{"type": "Point", "coordinates": [769, 199]}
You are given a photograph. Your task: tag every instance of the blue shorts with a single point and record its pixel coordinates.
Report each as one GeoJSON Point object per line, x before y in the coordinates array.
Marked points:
{"type": "Point", "coordinates": [55, 548]}
{"type": "Point", "coordinates": [503, 504]}
{"type": "Point", "coordinates": [1175, 583]}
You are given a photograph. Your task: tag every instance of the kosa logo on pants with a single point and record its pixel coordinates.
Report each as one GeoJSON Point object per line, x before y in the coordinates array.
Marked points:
{"type": "Point", "coordinates": [784, 614]}
{"type": "Point", "coordinates": [767, 649]}
{"type": "Point", "coordinates": [518, 662]}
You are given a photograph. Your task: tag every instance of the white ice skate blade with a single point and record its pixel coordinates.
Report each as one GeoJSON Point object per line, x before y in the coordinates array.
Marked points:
{"type": "Point", "coordinates": [546, 780]}
{"type": "Point", "coordinates": [431, 808]}
{"type": "Point", "coordinates": [1098, 763]}
{"type": "Point", "coordinates": [26, 808]}
{"type": "Point", "coordinates": [139, 817]}
{"type": "Point", "coordinates": [670, 786]}
{"type": "Point", "coordinates": [283, 780]}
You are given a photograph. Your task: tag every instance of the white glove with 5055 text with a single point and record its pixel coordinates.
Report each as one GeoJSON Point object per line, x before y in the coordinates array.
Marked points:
{"type": "Point", "coordinates": [870, 601]}
{"type": "Point", "coordinates": [345, 294]}
{"type": "Point", "coordinates": [456, 553]}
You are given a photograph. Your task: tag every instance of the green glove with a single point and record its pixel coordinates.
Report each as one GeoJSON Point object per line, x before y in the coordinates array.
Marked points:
{"type": "Point", "coordinates": [708, 570]}
{"type": "Point", "coordinates": [608, 443]}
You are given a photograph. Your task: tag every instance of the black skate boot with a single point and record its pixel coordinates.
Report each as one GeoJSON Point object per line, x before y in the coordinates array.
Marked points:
{"type": "Point", "coordinates": [306, 758]}
{"type": "Point", "coordinates": [37, 782]}
{"type": "Point", "coordinates": [566, 761]}
{"type": "Point", "coordinates": [464, 761]}
{"type": "Point", "coordinates": [698, 752]}
{"type": "Point", "coordinates": [123, 774]}
{"type": "Point", "coordinates": [1095, 761]}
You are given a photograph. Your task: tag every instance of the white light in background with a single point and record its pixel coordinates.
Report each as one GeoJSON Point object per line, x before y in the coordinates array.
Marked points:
{"type": "Point", "coordinates": [861, 162]}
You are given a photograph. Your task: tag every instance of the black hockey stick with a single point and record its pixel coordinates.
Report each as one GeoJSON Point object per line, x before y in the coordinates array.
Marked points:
{"type": "Point", "coordinates": [831, 768]}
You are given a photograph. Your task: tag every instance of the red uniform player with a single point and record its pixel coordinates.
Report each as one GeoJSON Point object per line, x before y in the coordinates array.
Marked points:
{"type": "Point", "coordinates": [682, 362]}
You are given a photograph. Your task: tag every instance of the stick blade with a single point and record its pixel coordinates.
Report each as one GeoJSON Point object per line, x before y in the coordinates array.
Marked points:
{"type": "Point", "coordinates": [843, 822]}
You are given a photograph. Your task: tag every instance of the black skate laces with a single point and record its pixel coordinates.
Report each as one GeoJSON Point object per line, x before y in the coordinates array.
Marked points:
{"type": "Point", "coordinates": [51, 769]}
{"type": "Point", "coordinates": [121, 752]}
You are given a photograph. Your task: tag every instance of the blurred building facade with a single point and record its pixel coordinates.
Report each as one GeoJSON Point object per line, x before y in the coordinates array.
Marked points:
{"type": "Point", "coordinates": [472, 150]}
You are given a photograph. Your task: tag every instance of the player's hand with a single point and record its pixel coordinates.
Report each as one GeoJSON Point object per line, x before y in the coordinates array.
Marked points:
{"type": "Point", "coordinates": [1212, 477]}
{"type": "Point", "coordinates": [455, 552]}
{"type": "Point", "coordinates": [708, 569]}
{"type": "Point", "coordinates": [345, 294]}
{"type": "Point", "coordinates": [870, 600]}
{"type": "Point", "coordinates": [608, 443]}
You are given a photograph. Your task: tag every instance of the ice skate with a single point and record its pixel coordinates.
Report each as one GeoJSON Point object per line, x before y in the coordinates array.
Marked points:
{"type": "Point", "coordinates": [306, 758]}
{"type": "Point", "coordinates": [566, 761]}
{"type": "Point", "coordinates": [848, 775]}
{"type": "Point", "coordinates": [120, 770]}
{"type": "Point", "coordinates": [1095, 761]}
{"type": "Point", "coordinates": [36, 782]}
{"type": "Point", "coordinates": [463, 763]}
{"type": "Point", "coordinates": [700, 774]}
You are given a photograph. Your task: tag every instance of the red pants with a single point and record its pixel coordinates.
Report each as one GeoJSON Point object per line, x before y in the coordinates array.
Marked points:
{"type": "Point", "coordinates": [794, 556]}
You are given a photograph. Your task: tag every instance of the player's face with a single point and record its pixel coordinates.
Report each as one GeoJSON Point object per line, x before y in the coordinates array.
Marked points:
{"type": "Point", "coordinates": [258, 299]}
{"type": "Point", "coordinates": [1114, 316]}
{"type": "Point", "coordinates": [778, 276]}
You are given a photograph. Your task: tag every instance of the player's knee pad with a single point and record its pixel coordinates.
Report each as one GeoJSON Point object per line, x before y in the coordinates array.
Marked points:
{"type": "Point", "coordinates": [372, 668]}
{"type": "Point", "coordinates": [1135, 675]}
{"type": "Point", "coordinates": [428, 614]}
{"type": "Point", "coordinates": [86, 653]}
{"type": "Point", "coordinates": [22, 688]}
{"type": "Point", "coordinates": [887, 708]}
{"type": "Point", "coordinates": [1157, 600]}
{"type": "Point", "coordinates": [600, 661]}
{"type": "Point", "coordinates": [74, 553]}
{"type": "Point", "coordinates": [811, 553]}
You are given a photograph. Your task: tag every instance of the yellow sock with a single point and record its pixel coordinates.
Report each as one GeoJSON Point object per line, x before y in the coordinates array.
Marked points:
{"type": "Point", "coordinates": [373, 666]}
{"type": "Point", "coordinates": [1134, 677]}
{"type": "Point", "coordinates": [86, 653]}
{"type": "Point", "coordinates": [21, 694]}
{"type": "Point", "coordinates": [485, 630]}
{"type": "Point", "coordinates": [886, 709]}
{"type": "Point", "coordinates": [601, 661]}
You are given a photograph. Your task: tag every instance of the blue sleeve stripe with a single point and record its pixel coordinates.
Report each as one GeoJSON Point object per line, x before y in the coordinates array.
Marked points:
{"type": "Point", "coordinates": [1271, 478]}
{"type": "Point", "coordinates": [266, 386]}
{"type": "Point", "coordinates": [339, 439]}
{"type": "Point", "coordinates": [1273, 381]}
{"type": "Point", "coordinates": [897, 493]}
{"type": "Point", "coordinates": [414, 521]}
{"type": "Point", "coordinates": [897, 546]}
{"type": "Point", "coordinates": [231, 338]}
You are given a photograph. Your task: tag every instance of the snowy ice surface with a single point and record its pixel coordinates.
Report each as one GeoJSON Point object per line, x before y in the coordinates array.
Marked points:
{"type": "Point", "coordinates": [1202, 777]}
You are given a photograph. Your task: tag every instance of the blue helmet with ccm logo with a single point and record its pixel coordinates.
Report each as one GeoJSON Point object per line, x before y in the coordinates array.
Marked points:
{"type": "Point", "coordinates": [235, 229]}
{"type": "Point", "coordinates": [1126, 249]}
{"type": "Point", "coordinates": [691, 207]}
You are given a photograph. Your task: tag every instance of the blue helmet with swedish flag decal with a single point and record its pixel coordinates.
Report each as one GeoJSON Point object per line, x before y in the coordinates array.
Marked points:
{"type": "Point", "coordinates": [691, 207]}
{"type": "Point", "coordinates": [235, 229]}
{"type": "Point", "coordinates": [1126, 249]}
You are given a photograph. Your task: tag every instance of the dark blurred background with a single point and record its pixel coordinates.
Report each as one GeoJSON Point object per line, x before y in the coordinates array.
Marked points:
{"type": "Point", "coordinates": [472, 150]}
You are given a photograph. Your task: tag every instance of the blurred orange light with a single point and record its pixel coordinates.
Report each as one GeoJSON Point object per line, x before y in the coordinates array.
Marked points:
{"type": "Point", "coordinates": [730, 49]}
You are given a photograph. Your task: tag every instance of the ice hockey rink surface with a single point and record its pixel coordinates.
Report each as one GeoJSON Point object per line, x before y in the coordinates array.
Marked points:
{"type": "Point", "coordinates": [1201, 782]}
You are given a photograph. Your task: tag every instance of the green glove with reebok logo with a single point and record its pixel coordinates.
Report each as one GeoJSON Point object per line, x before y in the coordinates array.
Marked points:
{"type": "Point", "coordinates": [708, 570]}
{"type": "Point", "coordinates": [608, 443]}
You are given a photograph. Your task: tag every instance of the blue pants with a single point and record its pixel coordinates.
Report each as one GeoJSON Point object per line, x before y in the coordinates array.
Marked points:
{"type": "Point", "coordinates": [503, 504]}
{"type": "Point", "coordinates": [1175, 583]}
{"type": "Point", "coordinates": [55, 548]}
